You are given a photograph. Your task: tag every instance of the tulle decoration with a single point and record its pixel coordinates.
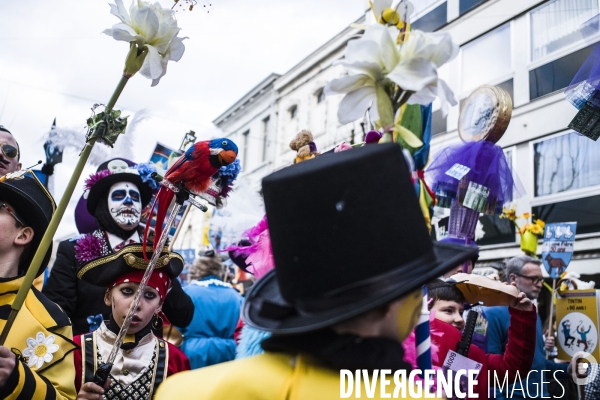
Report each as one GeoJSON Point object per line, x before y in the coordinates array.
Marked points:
{"type": "Point", "coordinates": [259, 254]}
{"type": "Point", "coordinates": [488, 167]}
{"type": "Point", "coordinates": [88, 248]}
{"type": "Point", "coordinates": [587, 79]}
{"type": "Point", "coordinates": [95, 177]}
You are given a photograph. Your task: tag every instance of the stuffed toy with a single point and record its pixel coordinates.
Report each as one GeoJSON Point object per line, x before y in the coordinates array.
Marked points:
{"type": "Point", "coordinates": [304, 145]}
{"type": "Point", "coordinates": [570, 281]}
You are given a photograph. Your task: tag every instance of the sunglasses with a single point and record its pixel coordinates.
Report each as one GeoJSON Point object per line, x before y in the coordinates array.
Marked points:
{"type": "Point", "coordinates": [9, 150]}
{"type": "Point", "coordinates": [534, 279]}
{"type": "Point", "coordinates": [11, 212]}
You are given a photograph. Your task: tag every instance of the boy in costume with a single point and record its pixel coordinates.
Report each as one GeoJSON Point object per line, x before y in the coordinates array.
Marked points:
{"type": "Point", "coordinates": [116, 195]}
{"type": "Point", "coordinates": [145, 360]}
{"type": "Point", "coordinates": [10, 154]}
{"type": "Point", "coordinates": [446, 304]}
{"type": "Point", "coordinates": [352, 252]}
{"type": "Point", "coordinates": [36, 361]}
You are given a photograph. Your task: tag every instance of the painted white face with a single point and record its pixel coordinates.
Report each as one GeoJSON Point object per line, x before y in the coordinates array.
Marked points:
{"type": "Point", "coordinates": [125, 204]}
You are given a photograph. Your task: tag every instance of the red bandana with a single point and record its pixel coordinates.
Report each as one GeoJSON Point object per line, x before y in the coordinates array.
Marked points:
{"type": "Point", "coordinates": [158, 281]}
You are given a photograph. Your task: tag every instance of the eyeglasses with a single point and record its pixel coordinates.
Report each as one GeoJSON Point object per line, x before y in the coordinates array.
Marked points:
{"type": "Point", "coordinates": [9, 150]}
{"type": "Point", "coordinates": [11, 212]}
{"type": "Point", "coordinates": [534, 279]}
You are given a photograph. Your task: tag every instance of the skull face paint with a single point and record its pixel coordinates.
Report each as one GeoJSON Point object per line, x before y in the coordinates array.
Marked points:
{"type": "Point", "coordinates": [125, 205]}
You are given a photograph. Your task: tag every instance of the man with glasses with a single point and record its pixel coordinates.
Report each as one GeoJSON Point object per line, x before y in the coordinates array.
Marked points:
{"type": "Point", "coordinates": [9, 152]}
{"type": "Point", "coordinates": [526, 274]}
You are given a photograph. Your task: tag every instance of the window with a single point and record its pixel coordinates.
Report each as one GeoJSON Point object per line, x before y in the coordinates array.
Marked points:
{"type": "Point", "coordinates": [497, 230]}
{"type": "Point", "coordinates": [438, 123]}
{"type": "Point", "coordinates": [434, 19]}
{"type": "Point", "coordinates": [487, 59]}
{"type": "Point", "coordinates": [266, 123]}
{"type": "Point", "coordinates": [468, 5]}
{"type": "Point", "coordinates": [245, 149]}
{"type": "Point", "coordinates": [564, 163]}
{"type": "Point", "coordinates": [423, 6]}
{"type": "Point", "coordinates": [585, 211]}
{"type": "Point", "coordinates": [320, 96]}
{"type": "Point", "coordinates": [556, 75]}
{"type": "Point", "coordinates": [293, 111]}
{"type": "Point", "coordinates": [556, 24]}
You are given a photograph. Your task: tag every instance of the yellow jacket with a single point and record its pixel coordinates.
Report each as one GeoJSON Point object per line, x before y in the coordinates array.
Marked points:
{"type": "Point", "coordinates": [269, 376]}
{"type": "Point", "coordinates": [42, 339]}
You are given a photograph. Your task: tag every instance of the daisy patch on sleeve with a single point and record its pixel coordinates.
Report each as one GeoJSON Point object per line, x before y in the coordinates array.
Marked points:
{"type": "Point", "coordinates": [39, 350]}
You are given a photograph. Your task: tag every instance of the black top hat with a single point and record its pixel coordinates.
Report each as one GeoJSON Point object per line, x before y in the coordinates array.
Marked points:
{"type": "Point", "coordinates": [35, 206]}
{"type": "Point", "coordinates": [105, 270]}
{"type": "Point", "coordinates": [347, 236]}
{"type": "Point", "coordinates": [101, 187]}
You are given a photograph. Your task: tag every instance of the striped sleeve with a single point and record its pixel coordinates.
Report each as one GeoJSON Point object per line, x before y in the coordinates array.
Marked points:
{"type": "Point", "coordinates": [25, 384]}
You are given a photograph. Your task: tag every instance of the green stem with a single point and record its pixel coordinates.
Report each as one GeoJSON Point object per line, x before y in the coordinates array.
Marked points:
{"type": "Point", "coordinates": [46, 241]}
{"type": "Point", "coordinates": [116, 94]}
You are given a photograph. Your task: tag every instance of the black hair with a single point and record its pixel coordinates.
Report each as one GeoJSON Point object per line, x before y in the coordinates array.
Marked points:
{"type": "Point", "coordinates": [3, 129]}
{"type": "Point", "coordinates": [440, 290]}
{"type": "Point", "coordinates": [106, 222]}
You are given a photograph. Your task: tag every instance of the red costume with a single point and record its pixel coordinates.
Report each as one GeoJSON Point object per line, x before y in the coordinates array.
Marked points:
{"type": "Point", "coordinates": [519, 353]}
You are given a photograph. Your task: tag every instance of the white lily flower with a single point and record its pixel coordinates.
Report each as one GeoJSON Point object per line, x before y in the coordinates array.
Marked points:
{"type": "Point", "coordinates": [151, 27]}
{"type": "Point", "coordinates": [375, 62]}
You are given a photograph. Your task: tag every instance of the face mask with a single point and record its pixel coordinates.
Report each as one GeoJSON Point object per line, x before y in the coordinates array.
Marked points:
{"type": "Point", "coordinates": [125, 205]}
{"type": "Point", "coordinates": [408, 313]}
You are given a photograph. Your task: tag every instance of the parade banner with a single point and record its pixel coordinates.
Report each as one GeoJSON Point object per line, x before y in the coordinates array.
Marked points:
{"type": "Point", "coordinates": [577, 323]}
{"type": "Point", "coordinates": [559, 239]}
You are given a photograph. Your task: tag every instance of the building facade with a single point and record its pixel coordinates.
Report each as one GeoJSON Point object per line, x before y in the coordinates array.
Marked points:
{"type": "Point", "coordinates": [530, 48]}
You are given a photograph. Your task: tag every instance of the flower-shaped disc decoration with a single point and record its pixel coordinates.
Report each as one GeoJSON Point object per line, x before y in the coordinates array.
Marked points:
{"type": "Point", "coordinates": [389, 66]}
{"type": "Point", "coordinates": [153, 30]}
{"type": "Point", "coordinates": [39, 350]}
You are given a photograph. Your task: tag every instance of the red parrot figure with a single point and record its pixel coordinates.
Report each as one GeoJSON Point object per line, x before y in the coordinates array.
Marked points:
{"type": "Point", "coordinates": [194, 168]}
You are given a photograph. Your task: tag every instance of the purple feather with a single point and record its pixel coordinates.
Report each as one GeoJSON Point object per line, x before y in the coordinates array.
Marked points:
{"type": "Point", "coordinates": [88, 248]}
{"type": "Point", "coordinates": [94, 178]}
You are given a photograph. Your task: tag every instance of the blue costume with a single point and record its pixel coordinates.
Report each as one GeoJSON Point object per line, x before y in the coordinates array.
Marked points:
{"type": "Point", "coordinates": [208, 339]}
{"type": "Point", "coordinates": [567, 332]}
{"type": "Point", "coordinates": [497, 336]}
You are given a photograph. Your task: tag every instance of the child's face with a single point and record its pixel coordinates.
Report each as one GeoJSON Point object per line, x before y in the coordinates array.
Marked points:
{"type": "Point", "coordinates": [450, 312]}
{"type": "Point", "coordinates": [119, 298]}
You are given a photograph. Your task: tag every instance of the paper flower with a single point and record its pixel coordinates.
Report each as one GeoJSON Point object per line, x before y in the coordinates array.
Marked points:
{"type": "Point", "coordinates": [88, 248]}
{"type": "Point", "coordinates": [154, 31]}
{"type": "Point", "coordinates": [39, 350]}
{"type": "Point", "coordinates": [95, 177]}
{"type": "Point", "coordinates": [146, 170]}
{"type": "Point", "coordinates": [536, 228]}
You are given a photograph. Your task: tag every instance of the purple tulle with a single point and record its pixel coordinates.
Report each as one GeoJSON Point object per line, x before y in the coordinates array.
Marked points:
{"type": "Point", "coordinates": [587, 79]}
{"type": "Point", "coordinates": [488, 167]}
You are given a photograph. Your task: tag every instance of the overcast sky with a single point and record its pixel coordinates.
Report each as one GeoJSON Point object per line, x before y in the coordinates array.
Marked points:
{"type": "Point", "coordinates": [55, 62]}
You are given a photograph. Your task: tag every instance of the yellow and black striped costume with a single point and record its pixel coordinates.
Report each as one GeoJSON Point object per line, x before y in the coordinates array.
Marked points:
{"type": "Point", "coordinates": [42, 339]}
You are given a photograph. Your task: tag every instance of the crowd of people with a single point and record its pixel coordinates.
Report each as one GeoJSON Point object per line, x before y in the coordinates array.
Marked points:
{"type": "Point", "coordinates": [351, 255]}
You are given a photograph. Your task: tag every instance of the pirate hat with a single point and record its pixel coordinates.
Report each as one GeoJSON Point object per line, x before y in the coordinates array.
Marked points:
{"type": "Point", "coordinates": [35, 206]}
{"type": "Point", "coordinates": [347, 236]}
{"type": "Point", "coordinates": [106, 270]}
{"type": "Point", "coordinates": [114, 171]}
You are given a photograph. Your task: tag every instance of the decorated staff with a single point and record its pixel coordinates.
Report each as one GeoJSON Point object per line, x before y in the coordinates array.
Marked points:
{"type": "Point", "coordinates": [474, 176]}
{"type": "Point", "coordinates": [191, 174]}
{"type": "Point", "coordinates": [152, 36]}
